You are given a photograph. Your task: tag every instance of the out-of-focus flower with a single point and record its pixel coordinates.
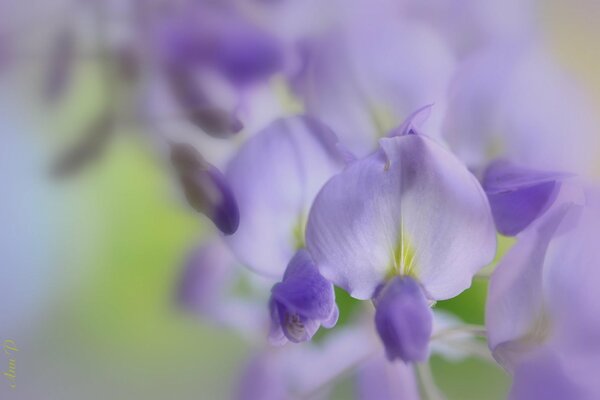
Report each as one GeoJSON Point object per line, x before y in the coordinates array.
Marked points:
{"type": "Point", "coordinates": [538, 315]}
{"type": "Point", "coordinates": [514, 102]}
{"type": "Point", "coordinates": [517, 195]}
{"type": "Point", "coordinates": [301, 302]}
{"type": "Point", "coordinates": [206, 51]}
{"type": "Point", "coordinates": [207, 288]}
{"type": "Point", "coordinates": [411, 210]}
{"type": "Point", "coordinates": [308, 370]}
{"type": "Point", "coordinates": [347, 83]}
{"type": "Point", "coordinates": [470, 25]}
{"type": "Point", "coordinates": [205, 188]}
{"type": "Point", "coordinates": [275, 177]}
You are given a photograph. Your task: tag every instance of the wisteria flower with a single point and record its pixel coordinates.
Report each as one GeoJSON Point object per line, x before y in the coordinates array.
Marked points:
{"type": "Point", "coordinates": [411, 215]}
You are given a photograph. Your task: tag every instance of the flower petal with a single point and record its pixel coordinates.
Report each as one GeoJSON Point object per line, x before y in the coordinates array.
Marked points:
{"type": "Point", "coordinates": [275, 177]}
{"type": "Point", "coordinates": [303, 290]}
{"type": "Point", "coordinates": [518, 195]}
{"type": "Point", "coordinates": [404, 320]}
{"type": "Point", "coordinates": [516, 316]}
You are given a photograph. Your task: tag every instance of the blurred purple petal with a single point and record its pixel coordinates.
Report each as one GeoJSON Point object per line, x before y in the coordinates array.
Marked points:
{"type": "Point", "coordinates": [379, 379]}
{"type": "Point", "coordinates": [275, 177]}
{"type": "Point", "coordinates": [261, 379]}
{"type": "Point", "coordinates": [543, 376]}
{"type": "Point", "coordinates": [207, 271]}
{"type": "Point", "coordinates": [518, 195]}
{"type": "Point", "coordinates": [404, 320]}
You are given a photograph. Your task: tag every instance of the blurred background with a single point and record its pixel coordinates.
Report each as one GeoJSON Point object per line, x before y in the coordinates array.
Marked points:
{"type": "Point", "coordinates": [90, 262]}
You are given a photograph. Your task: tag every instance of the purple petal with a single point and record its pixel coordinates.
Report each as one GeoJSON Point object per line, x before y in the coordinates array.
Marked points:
{"type": "Point", "coordinates": [518, 196]}
{"type": "Point", "coordinates": [205, 275]}
{"type": "Point", "coordinates": [404, 320]}
{"type": "Point", "coordinates": [275, 177]}
{"type": "Point", "coordinates": [543, 376]}
{"type": "Point", "coordinates": [303, 290]}
{"type": "Point", "coordinates": [410, 208]}
{"type": "Point", "coordinates": [302, 301]}
{"type": "Point", "coordinates": [245, 54]}
{"type": "Point", "coordinates": [413, 122]}
{"type": "Point", "coordinates": [379, 379]}
{"type": "Point", "coordinates": [261, 379]}
{"type": "Point", "coordinates": [517, 317]}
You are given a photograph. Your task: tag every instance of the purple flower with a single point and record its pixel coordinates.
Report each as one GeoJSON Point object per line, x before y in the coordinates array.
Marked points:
{"type": "Point", "coordinates": [275, 176]}
{"type": "Point", "coordinates": [301, 302]}
{"type": "Point", "coordinates": [347, 84]}
{"type": "Point", "coordinates": [514, 101]}
{"type": "Point", "coordinates": [540, 322]}
{"type": "Point", "coordinates": [518, 195]}
{"type": "Point", "coordinates": [205, 188]}
{"type": "Point", "coordinates": [403, 319]}
{"type": "Point", "coordinates": [412, 210]}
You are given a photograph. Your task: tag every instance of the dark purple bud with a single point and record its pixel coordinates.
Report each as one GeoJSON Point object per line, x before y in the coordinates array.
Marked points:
{"type": "Point", "coordinates": [88, 149]}
{"type": "Point", "coordinates": [60, 65]}
{"type": "Point", "coordinates": [518, 196]}
{"type": "Point", "coordinates": [403, 319]}
{"type": "Point", "coordinates": [206, 188]}
{"type": "Point", "coordinates": [302, 302]}
{"type": "Point", "coordinates": [198, 109]}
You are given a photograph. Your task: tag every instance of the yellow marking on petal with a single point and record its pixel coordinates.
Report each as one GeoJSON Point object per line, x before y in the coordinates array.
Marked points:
{"type": "Point", "coordinates": [383, 119]}
{"type": "Point", "coordinates": [496, 147]}
{"type": "Point", "coordinates": [404, 257]}
{"type": "Point", "coordinates": [299, 232]}
{"type": "Point", "coordinates": [291, 103]}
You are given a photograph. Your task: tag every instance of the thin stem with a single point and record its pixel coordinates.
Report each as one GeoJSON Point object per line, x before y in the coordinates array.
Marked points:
{"type": "Point", "coordinates": [432, 392]}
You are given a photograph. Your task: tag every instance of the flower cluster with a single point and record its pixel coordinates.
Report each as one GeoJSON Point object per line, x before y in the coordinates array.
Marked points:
{"type": "Point", "coordinates": [374, 150]}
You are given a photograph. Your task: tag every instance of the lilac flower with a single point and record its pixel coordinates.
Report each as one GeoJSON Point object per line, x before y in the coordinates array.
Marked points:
{"type": "Point", "coordinates": [518, 195]}
{"type": "Point", "coordinates": [540, 323]}
{"type": "Point", "coordinates": [515, 102]}
{"type": "Point", "coordinates": [412, 210]}
{"type": "Point", "coordinates": [345, 82]}
{"type": "Point", "coordinates": [302, 302]}
{"type": "Point", "coordinates": [209, 53]}
{"type": "Point", "coordinates": [275, 177]}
